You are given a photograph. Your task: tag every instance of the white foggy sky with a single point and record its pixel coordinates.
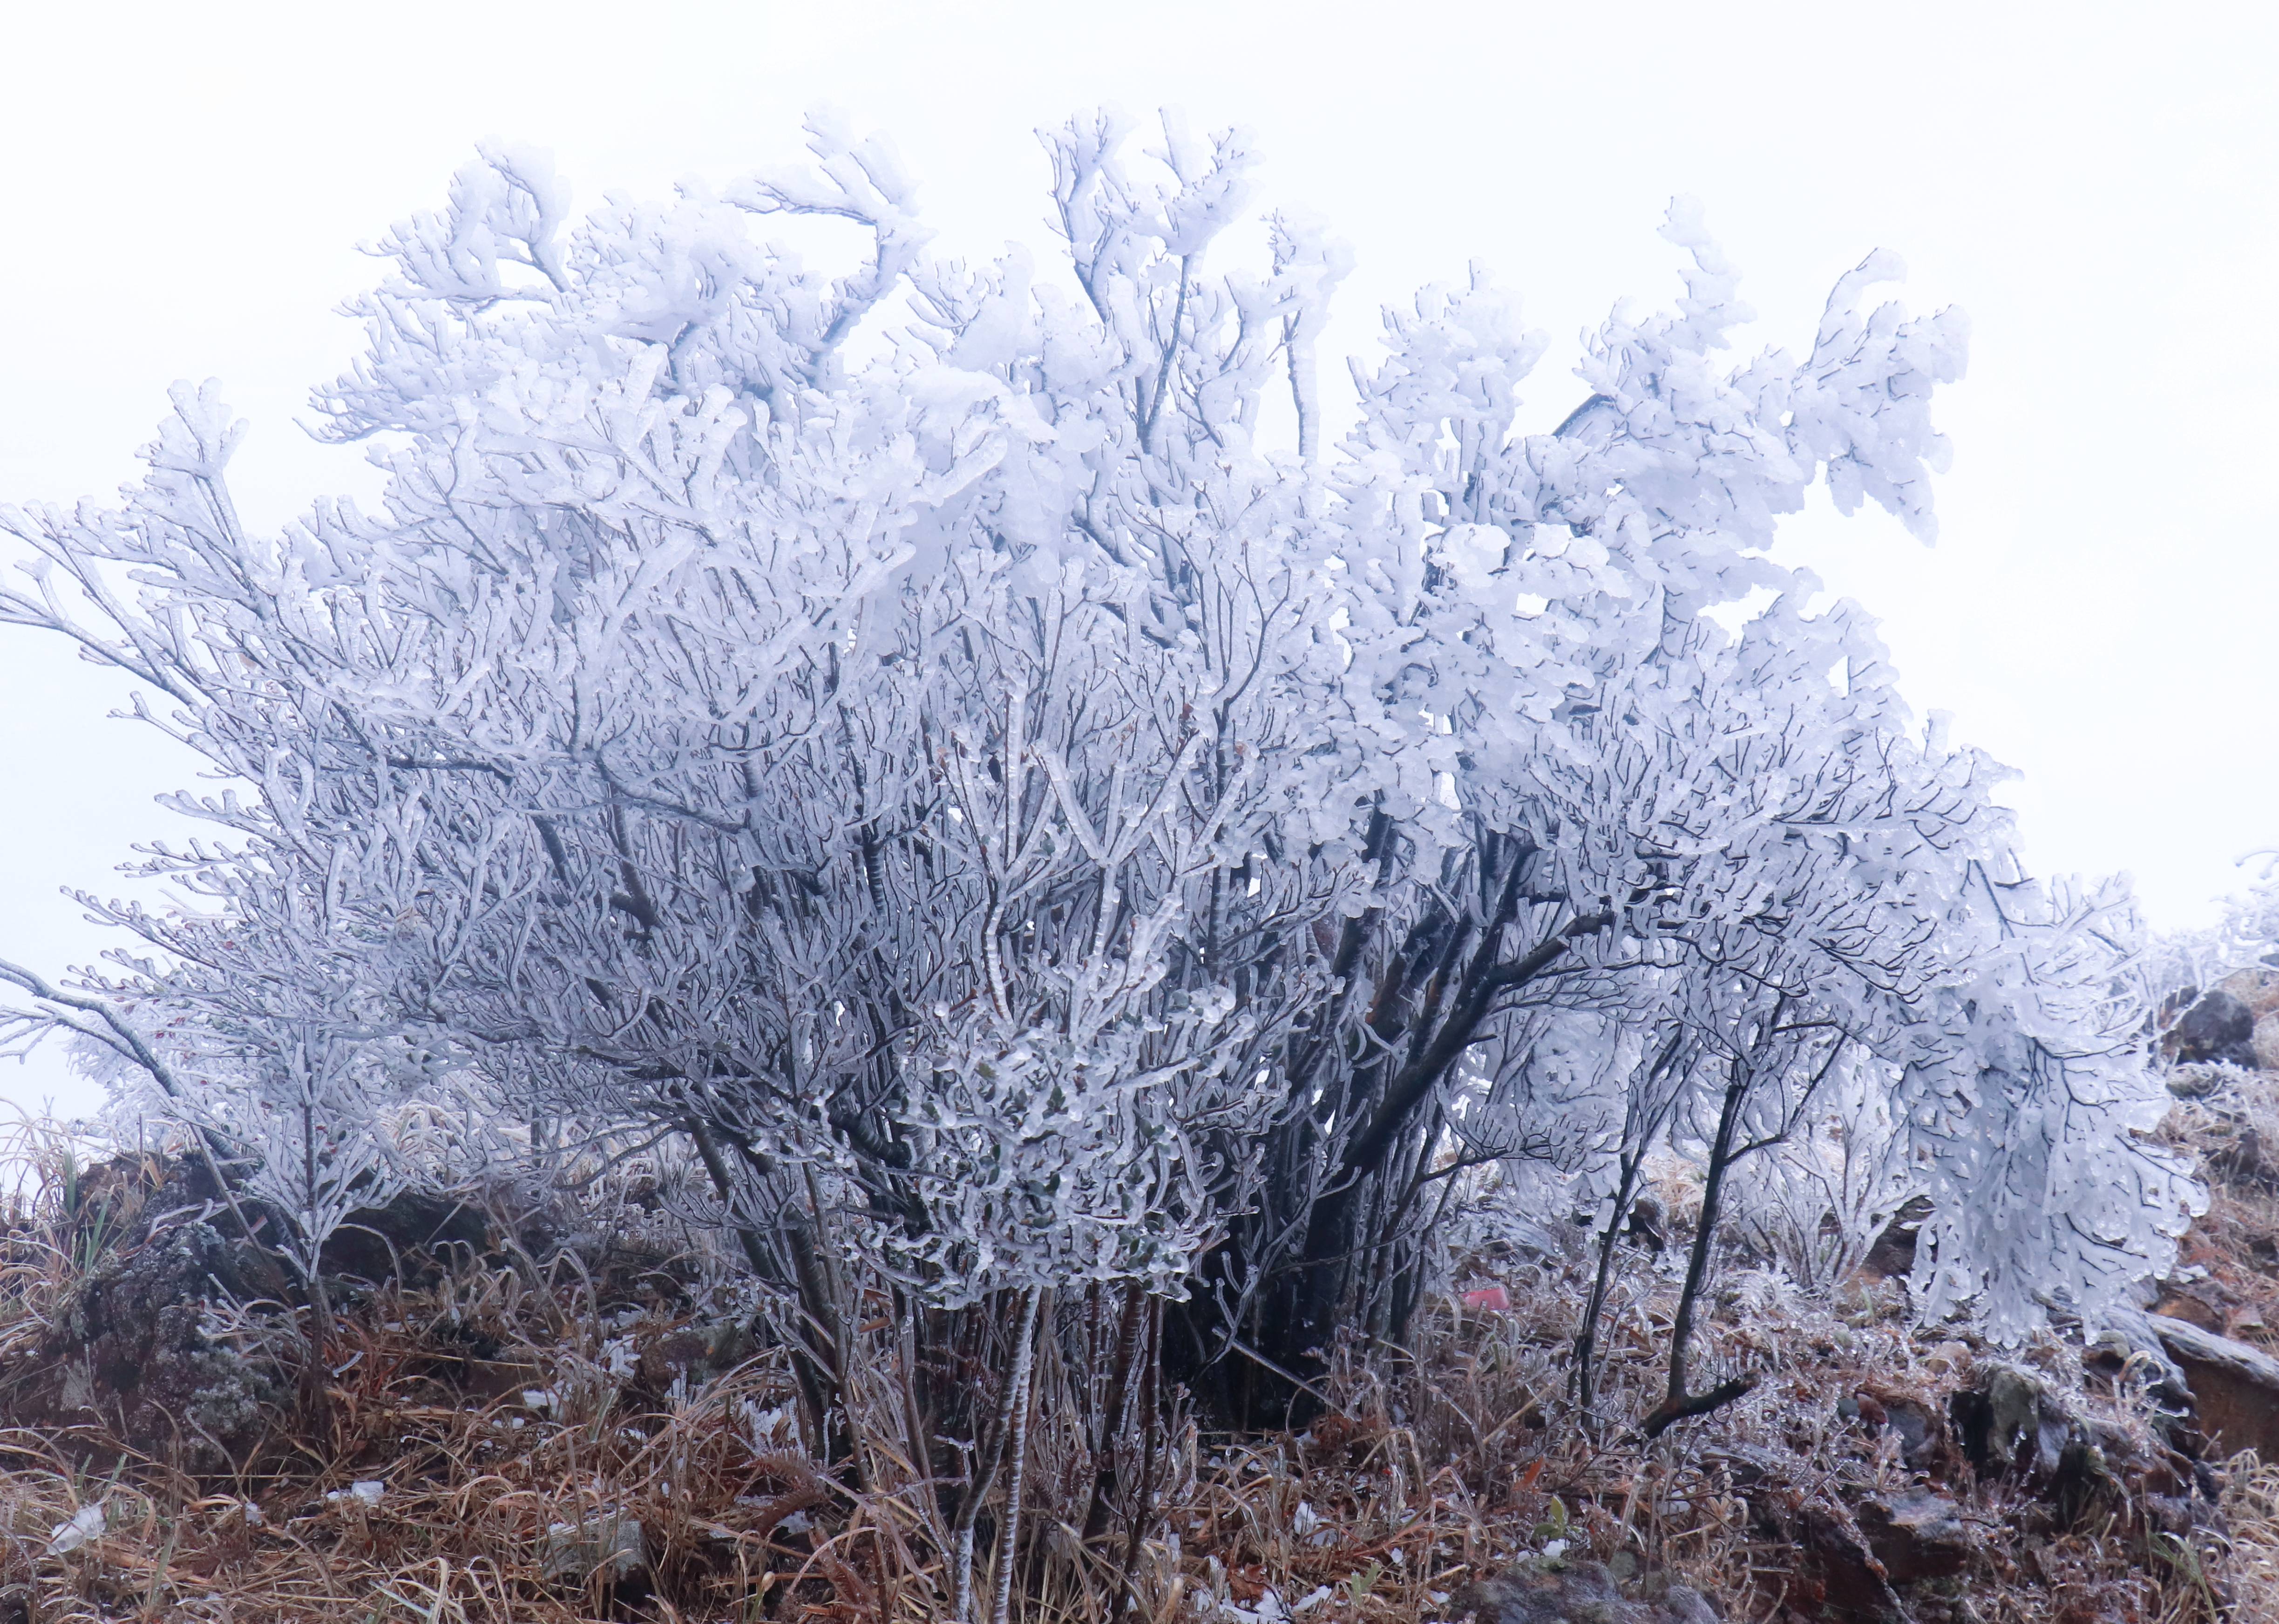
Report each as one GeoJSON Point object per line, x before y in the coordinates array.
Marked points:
{"type": "Point", "coordinates": [182, 188]}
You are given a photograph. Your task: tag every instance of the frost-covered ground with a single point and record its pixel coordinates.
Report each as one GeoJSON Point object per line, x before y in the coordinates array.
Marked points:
{"type": "Point", "coordinates": [558, 1414]}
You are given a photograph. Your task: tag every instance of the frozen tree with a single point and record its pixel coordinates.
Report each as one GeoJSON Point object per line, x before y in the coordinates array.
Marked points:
{"type": "Point", "coordinates": [921, 738]}
{"type": "Point", "coordinates": [2182, 965]}
{"type": "Point", "coordinates": [2045, 1193]}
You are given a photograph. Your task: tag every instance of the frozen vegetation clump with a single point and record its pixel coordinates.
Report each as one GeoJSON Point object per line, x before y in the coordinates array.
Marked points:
{"type": "Point", "coordinates": [976, 774]}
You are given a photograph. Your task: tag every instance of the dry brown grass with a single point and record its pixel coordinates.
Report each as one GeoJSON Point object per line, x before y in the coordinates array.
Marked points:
{"type": "Point", "coordinates": [2232, 1132]}
{"type": "Point", "coordinates": [1428, 1468]}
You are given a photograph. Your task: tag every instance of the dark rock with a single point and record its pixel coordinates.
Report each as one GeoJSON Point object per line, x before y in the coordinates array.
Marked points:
{"type": "Point", "coordinates": [134, 1346]}
{"type": "Point", "coordinates": [2220, 1027]}
{"type": "Point", "coordinates": [2235, 1388]}
{"type": "Point", "coordinates": [1916, 1535]}
{"type": "Point", "coordinates": [1920, 1428]}
{"type": "Point", "coordinates": [1574, 1593]}
{"type": "Point", "coordinates": [1649, 1223]}
{"type": "Point", "coordinates": [2127, 1338]}
{"type": "Point", "coordinates": [2011, 1424]}
{"type": "Point", "coordinates": [1894, 1255]}
{"type": "Point", "coordinates": [413, 1238]}
{"type": "Point", "coordinates": [692, 1355]}
{"type": "Point", "coordinates": [1833, 1574]}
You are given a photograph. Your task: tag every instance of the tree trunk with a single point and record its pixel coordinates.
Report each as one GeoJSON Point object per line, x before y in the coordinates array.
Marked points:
{"type": "Point", "coordinates": [819, 1340]}
{"type": "Point", "coordinates": [1676, 1404]}
{"type": "Point", "coordinates": [1151, 1400]}
{"type": "Point", "coordinates": [981, 1476]}
{"type": "Point", "coordinates": [1128, 1333]}
{"type": "Point", "coordinates": [1009, 1540]}
{"type": "Point", "coordinates": [1586, 1339]}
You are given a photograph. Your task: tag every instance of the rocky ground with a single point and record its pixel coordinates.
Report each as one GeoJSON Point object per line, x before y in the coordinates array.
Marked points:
{"type": "Point", "coordinates": [545, 1415]}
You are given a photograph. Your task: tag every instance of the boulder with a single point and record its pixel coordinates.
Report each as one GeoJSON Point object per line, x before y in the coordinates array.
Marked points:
{"type": "Point", "coordinates": [607, 1546]}
{"type": "Point", "coordinates": [1893, 1257]}
{"type": "Point", "coordinates": [2011, 1424]}
{"type": "Point", "coordinates": [2235, 1388]}
{"type": "Point", "coordinates": [1915, 1535]}
{"type": "Point", "coordinates": [1917, 1422]}
{"type": "Point", "coordinates": [1838, 1573]}
{"type": "Point", "coordinates": [1574, 1593]}
{"type": "Point", "coordinates": [1831, 1573]}
{"type": "Point", "coordinates": [135, 1347]}
{"type": "Point", "coordinates": [2220, 1027]}
{"type": "Point", "coordinates": [2128, 1334]}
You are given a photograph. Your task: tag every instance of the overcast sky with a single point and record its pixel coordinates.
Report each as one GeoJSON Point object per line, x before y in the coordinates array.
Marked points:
{"type": "Point", "coordinates": [182, 189]}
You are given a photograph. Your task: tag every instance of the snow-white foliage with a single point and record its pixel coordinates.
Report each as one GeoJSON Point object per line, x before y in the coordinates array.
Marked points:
{"type": "Point", "coordinates": [2184, 964]}
{"type": "Point", "coordinates": [314, 1121]}
{"type": "Point", "coordinates": [915, 725]}
{"type": "Point", "coordinates": [2044, 1194]}
{"type": "Point", "coordinates": [1818, 1200]}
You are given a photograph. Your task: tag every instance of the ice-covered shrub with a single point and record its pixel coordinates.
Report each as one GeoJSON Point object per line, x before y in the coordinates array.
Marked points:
{"type": "Point", "coordinates": [922, 735]}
